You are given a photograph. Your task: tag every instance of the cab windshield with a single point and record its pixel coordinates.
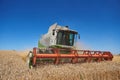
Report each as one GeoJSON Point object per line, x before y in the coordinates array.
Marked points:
{"type": "Point", "coordinates": [65, 38]}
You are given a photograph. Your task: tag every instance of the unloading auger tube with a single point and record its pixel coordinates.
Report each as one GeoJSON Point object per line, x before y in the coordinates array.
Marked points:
{"type": "Point", "coordinates": [74, 55]}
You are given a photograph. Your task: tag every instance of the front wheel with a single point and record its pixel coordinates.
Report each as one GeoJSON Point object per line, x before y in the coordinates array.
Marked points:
{"type": "Point", "coordinates": [29, 59]}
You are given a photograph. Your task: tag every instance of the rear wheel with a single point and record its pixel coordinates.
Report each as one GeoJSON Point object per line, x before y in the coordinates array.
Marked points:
{"type": "Point", "coordinates": [29, 59]}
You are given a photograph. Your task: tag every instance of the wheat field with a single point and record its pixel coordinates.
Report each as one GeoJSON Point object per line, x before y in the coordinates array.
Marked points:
{"type": "Point", "coordinates": [14, 67]}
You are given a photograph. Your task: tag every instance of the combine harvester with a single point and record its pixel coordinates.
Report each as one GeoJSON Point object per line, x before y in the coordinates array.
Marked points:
{"type": "Point", "coordinates": [58, 46]}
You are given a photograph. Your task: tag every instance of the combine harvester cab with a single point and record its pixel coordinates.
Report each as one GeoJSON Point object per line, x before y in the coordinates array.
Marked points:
{"type": "Point", "coordinates": [59, 42]}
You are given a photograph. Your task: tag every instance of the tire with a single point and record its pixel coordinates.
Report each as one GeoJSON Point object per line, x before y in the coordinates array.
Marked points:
{"type": "Point", "coordinates": [29, 59]}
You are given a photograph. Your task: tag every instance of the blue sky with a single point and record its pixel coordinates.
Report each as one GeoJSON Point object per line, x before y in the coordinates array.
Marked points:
{"type": "Point", "coordinates": [22, 22]}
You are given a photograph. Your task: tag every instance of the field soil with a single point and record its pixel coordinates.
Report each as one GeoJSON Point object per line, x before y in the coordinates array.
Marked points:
{"type": "Point", "coordinates": [13, 67]}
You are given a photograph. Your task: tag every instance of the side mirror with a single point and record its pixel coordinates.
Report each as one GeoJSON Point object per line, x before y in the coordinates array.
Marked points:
{"type": "Point", "coordinates": [53, 32]}
{"type": "Point", "coordinates": [78, 36]}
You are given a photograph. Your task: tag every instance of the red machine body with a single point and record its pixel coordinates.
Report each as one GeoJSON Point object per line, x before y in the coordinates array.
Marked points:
{"type": "Point", "coordinates": [74, 55]}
